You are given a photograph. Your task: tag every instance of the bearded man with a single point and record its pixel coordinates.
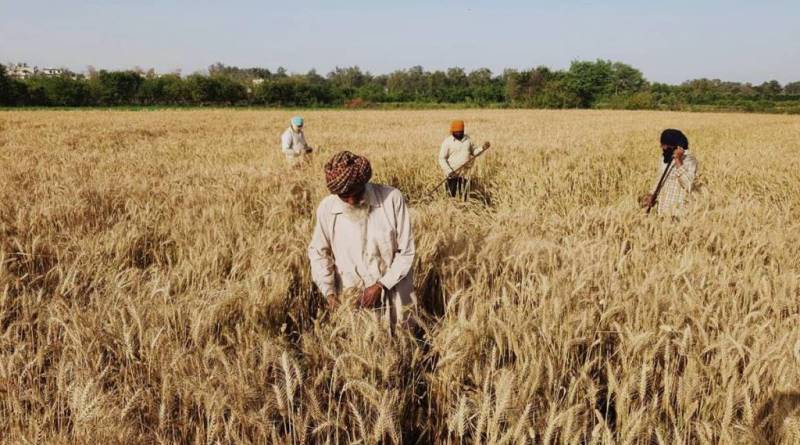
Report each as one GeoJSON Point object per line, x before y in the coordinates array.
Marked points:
{"type": "Point", "coordinates": [455, 157]}
{"type": "Point", "coordinates": [362, 242]}
{"type": "Point", "coordinates": [678, 168]}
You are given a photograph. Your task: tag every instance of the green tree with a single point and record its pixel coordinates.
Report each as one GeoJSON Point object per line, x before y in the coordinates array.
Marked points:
{"type": "Point", "coordinates": [792, 88]}
{"type": "Point", "coordinates": [115, 87]}
{"type": "Point", "coordinates": [457, 86]}
{"type": "Point", "coordinates": [436, 88]}
{"type": "Point", "coordinates": [512, 85]}
{"type": "Point", "coordinates": [206, 90]}
{"type": "Point", "coordinates": [590, 80]}
{"type": "Point", "coordinates": [408, 85]}
{"type": "Point", "coordinates": [5, 88]}
{"type": "Point", "coordinates": [15, 92]}
{"type": "Point", "coordinates": [62, 90]}
{"type": "Point", "coordinates": [555, 93]}
{"type": "Point", "coordinates": [483, 87]}
{"type": "Point", "coordinates": [293, 91]}
{"type": "Point", "coordinates": [346, 83]}
{"type": "Point", "coordinates": [625, 80]}
{"type": "Point", "coordinates": [770, 89]}
{"type": "Point", "coordinates": [241, 75]}
{"type": "Point", "coordinates": [168, 89]}
{"type": "Point", "coordinates": [538, 87]}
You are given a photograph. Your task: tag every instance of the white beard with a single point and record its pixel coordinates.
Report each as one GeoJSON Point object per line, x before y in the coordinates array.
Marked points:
{"type": "Point", "coordinates": [358, 212]}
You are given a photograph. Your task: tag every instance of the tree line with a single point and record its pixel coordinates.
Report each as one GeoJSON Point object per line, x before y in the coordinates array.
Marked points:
{"type": "Point", "coordinates": [586, 84]}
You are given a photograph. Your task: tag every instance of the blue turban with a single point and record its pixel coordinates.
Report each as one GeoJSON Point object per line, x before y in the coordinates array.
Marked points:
{"type": "Point", "coordinates": [297, 121]}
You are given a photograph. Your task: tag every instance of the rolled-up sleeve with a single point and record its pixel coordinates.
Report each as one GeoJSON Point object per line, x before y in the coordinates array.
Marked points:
{"type": "Point", "coordinates": [404, 257]}
{"type": "Point", "coordinates": [323, 268]}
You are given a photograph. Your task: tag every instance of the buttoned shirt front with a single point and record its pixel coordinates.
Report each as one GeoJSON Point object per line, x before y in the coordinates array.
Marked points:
{"type": "Point", "coordinates": [678, 184]}
{"type": "Point", "coordinates": [347, 254]}
{"type": "Point", "coordinates": [455, 153]}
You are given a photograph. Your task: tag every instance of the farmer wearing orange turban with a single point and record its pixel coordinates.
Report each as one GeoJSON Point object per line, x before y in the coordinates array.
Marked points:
{"type": "Point", "coordinates": [362, 240]}
{"type": "Point", "coordinates": [455, 157]}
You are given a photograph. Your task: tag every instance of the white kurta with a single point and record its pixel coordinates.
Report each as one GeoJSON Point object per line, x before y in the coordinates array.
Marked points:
{"type": "Point", "coordinates": [293, 145]}
{"type": "Point", "coordinates": [453, 153]}
{"type": "Point", "coordinates": [345, 254]}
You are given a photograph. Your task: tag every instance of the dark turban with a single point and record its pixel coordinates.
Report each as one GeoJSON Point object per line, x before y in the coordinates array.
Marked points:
{"type": "Point", "coordinates": [346, 172]}
{"type": "Point", "coordinates": [673, 138]}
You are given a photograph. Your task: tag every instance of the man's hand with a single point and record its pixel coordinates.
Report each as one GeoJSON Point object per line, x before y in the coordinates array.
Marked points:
{"type": "Point", "coordinates": [677, 155]}
{"type": "Point", "coordinates": [646, 200]}
{"type": "Point", "coordinates": [332, 302]}
{"type": "Point", "coordinates": [309, 149]}
{"type": "Point", "coordinates": [370, 296]}
{"type": "Point", "coordinates": [486, 145]}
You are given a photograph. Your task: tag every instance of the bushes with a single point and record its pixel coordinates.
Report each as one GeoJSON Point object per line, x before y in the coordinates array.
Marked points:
{"type": "Point", "coordinates": [60, 91]}
{"type": "Point", "coordinates": [169, 89]}
{"type": "Point", "coordinates": [115, 87]}
{"type": "Point", "coordinates": [586, 84]}
{"type": "Point", "coordinates": [12, 92]}
{"type": "Point", "coordinates": [205, 90]}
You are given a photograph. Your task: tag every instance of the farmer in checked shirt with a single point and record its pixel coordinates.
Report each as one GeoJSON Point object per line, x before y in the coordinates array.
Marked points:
{"type": "Point", "coordinates": [362, 249]}
{"type": "Point", "coordinates": [679, 181]}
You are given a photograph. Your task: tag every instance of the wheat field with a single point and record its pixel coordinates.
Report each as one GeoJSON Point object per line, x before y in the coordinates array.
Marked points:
{"type": "Point", "coordinates": [154, 284]}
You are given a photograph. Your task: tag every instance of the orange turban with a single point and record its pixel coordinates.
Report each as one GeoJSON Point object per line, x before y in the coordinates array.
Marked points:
{"type": "Point", "coordinates": [456, 126]}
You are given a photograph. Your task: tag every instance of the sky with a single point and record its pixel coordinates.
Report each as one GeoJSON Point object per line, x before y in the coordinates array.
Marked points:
{"type": "Point", "coordinates": [669, 41]}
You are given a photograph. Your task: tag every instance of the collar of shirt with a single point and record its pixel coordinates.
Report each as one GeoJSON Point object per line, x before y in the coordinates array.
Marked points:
{"type": "Point", "coordinates": [339, 206]}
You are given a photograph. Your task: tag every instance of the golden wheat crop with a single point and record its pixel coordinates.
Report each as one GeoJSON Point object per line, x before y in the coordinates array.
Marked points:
{"type": "Point", "coordinates": [154, 285]}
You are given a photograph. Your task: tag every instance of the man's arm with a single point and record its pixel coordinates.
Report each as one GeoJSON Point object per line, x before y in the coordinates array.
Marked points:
{"type": "Point", "coordinates": [444, 153]}
{"type": "Point", "coordinates": [404, 257]}
{"type": "Point", "coordinates": [475, 150]}
{"type": "Point", "coordinates": [686, 171]}
{"type": "Point", "coordinates": [305, 148]}
{"type": "Point", "coordinates": [320, 254]}
{"type": "Point", "coordinates": [286, 143]}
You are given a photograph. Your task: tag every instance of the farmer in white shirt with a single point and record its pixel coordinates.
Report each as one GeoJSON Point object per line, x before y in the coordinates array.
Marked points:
{"type": "Point", "coordinates": [293, 142]}
{"type": "Point", "coordinates": [458, 150]}
{"type": "Point", "coordinates": [362, 244]}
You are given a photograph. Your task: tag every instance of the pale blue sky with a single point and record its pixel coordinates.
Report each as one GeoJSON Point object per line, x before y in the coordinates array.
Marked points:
{"type": "Point", "coordinates": [669, 41]}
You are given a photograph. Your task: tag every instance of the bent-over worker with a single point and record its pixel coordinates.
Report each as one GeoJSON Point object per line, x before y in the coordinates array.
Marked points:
{"type": "Point", "coordinates": [362, 240]}
{"type": "Point", "coordinates": [293, 142]}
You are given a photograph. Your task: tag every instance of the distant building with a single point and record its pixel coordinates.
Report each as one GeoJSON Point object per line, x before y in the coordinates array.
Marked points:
{"type": "Point", "coordinates": [258, 81]}
{"type": "Point", "coordinates": [52, 71]}
{"type": "Point", "coordinates": [20, 71]}
{"type": "Point", "coordinates": [23, 71]}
